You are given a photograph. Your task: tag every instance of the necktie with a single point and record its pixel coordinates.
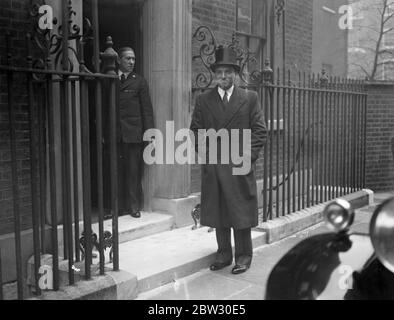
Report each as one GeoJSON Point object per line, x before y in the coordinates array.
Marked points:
{"type": "Point", "coordinates": [225, 102]}
{"type": "Point", "coordinates": [225, 99]}
{"type": "Point", "coordinates": [123, 78]}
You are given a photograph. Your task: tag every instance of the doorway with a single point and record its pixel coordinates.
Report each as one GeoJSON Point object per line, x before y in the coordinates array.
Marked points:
{"type": "Point", "coordinates": [122, 20]}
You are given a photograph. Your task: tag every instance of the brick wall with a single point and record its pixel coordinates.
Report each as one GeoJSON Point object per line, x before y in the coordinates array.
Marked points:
{"type": "Point", "coordinates": [330, 42]}
{"type": "Point", "coordinates": [13, 18]}
{"type": "Point", "coordinates": [299, 22]}
{"type": "Point", "coordinates": [380, 132]}
{"type": "Point", "coordinates": [219, 15]}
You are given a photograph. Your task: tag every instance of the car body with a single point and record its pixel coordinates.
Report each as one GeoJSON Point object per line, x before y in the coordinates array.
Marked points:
{"type": "Point", "coordinates": [339, 265]}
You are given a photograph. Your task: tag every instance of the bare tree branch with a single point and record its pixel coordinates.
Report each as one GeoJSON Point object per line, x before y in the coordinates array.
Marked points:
{"type": "Point", "coordinates": [388, 30]}
{"type": "Point", "coordinates": [362, 68]}
{"type": "Point", "coordinates": [385, 51]}
{"type": "Point", "coordinates": [372, 50]}
{"type": "Point", "coordinates": [388, 62]}
{"type": "Point", "coordinates": [379, 15]}
{"type": "Point", "coordinates": [373, 29]}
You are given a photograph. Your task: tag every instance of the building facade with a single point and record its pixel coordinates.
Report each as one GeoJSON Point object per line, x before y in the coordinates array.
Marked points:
{"type": "Point", "coordinates": [371, 40]}
{"type": "Point", "coordinates": [330, 37]}
{"type": "Point", "coordinates": [165, 35]}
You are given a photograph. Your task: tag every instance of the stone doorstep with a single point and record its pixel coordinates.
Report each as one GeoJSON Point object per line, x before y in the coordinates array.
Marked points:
{"type": "Point", "coordinates": [131, 228]}
{"type": "Point", "coordinates": [160, 259]}
{"type": "Point", "coordinates": [10, 291]}
{"type": "Point", "coordinates": [119, 285]}
{"type": "Point", "coordinates": [283, 227]}
{"type": "Point", "coordinates": [114, 285]}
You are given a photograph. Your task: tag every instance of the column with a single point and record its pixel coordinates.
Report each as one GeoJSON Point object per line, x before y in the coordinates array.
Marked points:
{"type": "Point", "coordinates": [167, 66]}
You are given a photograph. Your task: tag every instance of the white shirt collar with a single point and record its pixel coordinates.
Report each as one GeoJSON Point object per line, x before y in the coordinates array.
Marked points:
{"type": "Point", "coordinates": [229, 92]}
{"type": "Point", "coordinates": [125, 73]}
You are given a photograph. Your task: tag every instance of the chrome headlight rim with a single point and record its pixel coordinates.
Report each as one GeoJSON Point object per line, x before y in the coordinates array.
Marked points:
{"type": "Point", "coordinates": [375, 236]}
{"type": "Point", "coordinates": [347, 215]}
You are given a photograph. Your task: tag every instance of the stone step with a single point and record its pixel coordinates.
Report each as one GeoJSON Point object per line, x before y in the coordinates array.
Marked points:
{"type": "Point", "coordinates": [130, 228]}
{"type": "Point", "coordinates": [162, 258]}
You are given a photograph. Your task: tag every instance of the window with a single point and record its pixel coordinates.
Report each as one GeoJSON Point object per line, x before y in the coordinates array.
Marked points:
{"type": "Point", "coordinates": [388, 70]}
{"type": "Point", "coordinates": [390, 9]}
{"type": "Point", "coordinates": [251, 22]}
{"type": "Point", "coordinates": [388, 39]}
{"type": "Point", "coordinates": [244, 16]}
{"type": "Point", "coordinates": [328, 67]}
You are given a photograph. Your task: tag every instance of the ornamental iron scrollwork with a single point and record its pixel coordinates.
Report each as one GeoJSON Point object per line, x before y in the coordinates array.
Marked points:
{"type": "Point", "coordinates": [280, 9]}
{"type": "Point", "coordinates": [95, 244]}
{"type": "Point", "coordinates": [267, 74]}
{"type": "Point", "coordinates": [41, 38]}
{"type": "Point", "coordinates": [324, 79]}
{"type": "Point", "coordinates": [245, 58]}
{"type": "Point", "coordinates": [50, 44]}
{"type": "Point", "coordinates": [206, 57]}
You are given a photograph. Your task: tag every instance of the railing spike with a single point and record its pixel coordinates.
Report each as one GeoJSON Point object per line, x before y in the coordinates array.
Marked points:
{"type": "Point", "coordinates": [109, 57]}
{"type": "Point", "coordinates": [268, 73]}
{"type": "Point", "coordinates": [324, 78]}
{"type": "Point", "coordinates": [29, 57]}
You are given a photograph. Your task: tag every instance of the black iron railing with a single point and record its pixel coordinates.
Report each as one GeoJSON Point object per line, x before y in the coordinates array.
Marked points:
{"type": "Point", "coordinates": [57, 78]}
{"type": "Point", "coordinates": [316, 144]}
{"type": "Point", "coordinates": [1, 277]}
{"type": "Point", "coordinates": [317, 127]}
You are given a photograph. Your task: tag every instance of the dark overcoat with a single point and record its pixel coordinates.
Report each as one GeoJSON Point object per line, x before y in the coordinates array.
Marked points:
{"type": "Point", "coordinates": [134, 116]}
{"type": "Point", "coordinates": [229, 200]}
{"type": "Point", "coordinates": [135, 109]}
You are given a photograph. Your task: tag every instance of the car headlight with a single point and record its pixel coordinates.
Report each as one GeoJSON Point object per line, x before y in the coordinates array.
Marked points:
{"type": "Point", "coordinates": [381, 230]}
{"type": "Point", "coordinates": [339, 215]}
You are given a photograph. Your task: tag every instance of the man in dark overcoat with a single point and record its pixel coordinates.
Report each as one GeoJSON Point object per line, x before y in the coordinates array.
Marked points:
{"type": "Point", "coordinates": [135, 116]}
{"type": "Point", "coordinates": [229, 200]}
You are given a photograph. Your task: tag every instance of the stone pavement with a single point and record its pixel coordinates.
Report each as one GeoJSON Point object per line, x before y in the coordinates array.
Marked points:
{"type": "Point", "coordinates": [222, 285]}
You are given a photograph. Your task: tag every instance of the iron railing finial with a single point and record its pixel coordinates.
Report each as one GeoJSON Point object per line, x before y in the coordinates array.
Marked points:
{"type": "Point", "coordinates": [109, 57]}
{"type": "Point", "coordinates": [268, 73]}
{"type": "Point", "coordinates": [324, 78]}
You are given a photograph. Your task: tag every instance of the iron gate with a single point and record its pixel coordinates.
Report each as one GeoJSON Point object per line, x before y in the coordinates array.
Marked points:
{"type": "Point", "coordinates": [316, 129]}
{"type": "Point", "coordinates": [57, 83]}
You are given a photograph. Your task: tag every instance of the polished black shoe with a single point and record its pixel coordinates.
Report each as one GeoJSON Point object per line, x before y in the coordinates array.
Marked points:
{"type": "Point", "coordinates": [239, 268]}
{"type": "Point", "coordinates": [135, 214]}
{"type": "Point", "coordinates": [219, 265]}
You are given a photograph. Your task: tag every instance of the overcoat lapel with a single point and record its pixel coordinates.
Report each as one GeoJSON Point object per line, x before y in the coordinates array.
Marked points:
{"type": "Point", "coordinates": [216, 107]}
{"type": "Point", "coordinates": [126, 82]}
{"type": "Point", "coordinates": [237, 100]}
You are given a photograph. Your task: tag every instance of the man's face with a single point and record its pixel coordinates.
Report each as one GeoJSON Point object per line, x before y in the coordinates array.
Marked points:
{"type": "Point", "coordinates": [127, 61]}
{"type": "Point", "coordinates": [225, 76]}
